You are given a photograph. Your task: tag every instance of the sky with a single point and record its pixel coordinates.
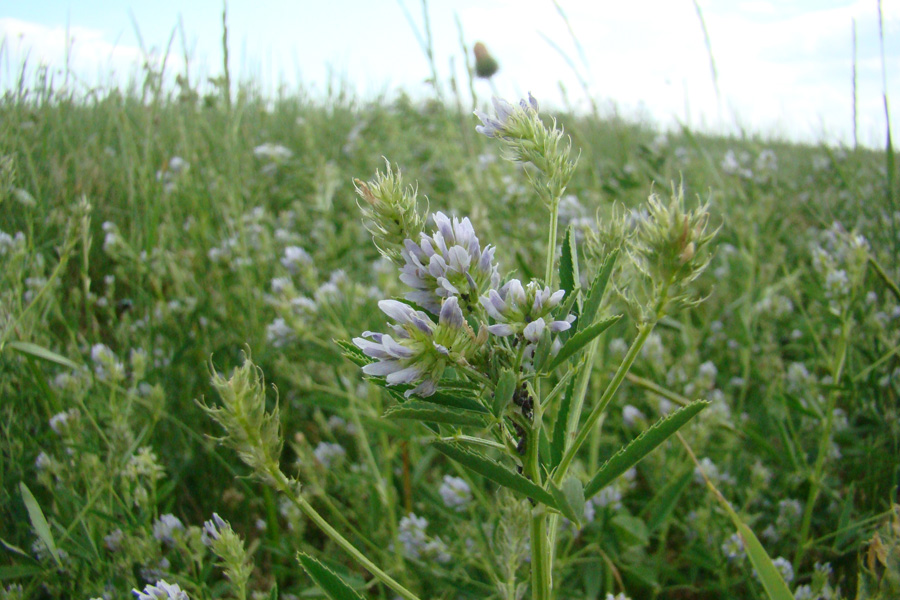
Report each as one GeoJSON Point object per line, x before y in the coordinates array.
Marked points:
{"type": "Point", "coordinates": [784, 68]}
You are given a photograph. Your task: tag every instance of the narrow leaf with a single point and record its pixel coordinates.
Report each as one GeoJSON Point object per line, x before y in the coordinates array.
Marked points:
{"type": "Point", "coordinates": [42, 353]}
{"type": "Point", "coordinates": [504, 391]}
{"type": "Point", "coordinates": [542, 350]}
{"type": "Point", "coordinates": [352, 353]}
{"type": "Point", "coordinates": [663, 502]}
{"type": "Point", "coordinates": [642, 445]}
{"type": "Point", "coordinates": [558, 444]}
{"type": "Point", "coordinates": [19, 571]}
{"type": "Point", "coordinates": [595, 295]}
{"type": "Point", "coordinates": [419, 410]}
{"type": "Point", "coordinates": [447, 399]}
{"type": "Point", "coordinates": [570, 498]}
{"type": "Point", "coordinates": [769, 575]}
{"type": "Point", "coordinates": [333, 586]}
{"type": "Point", "coordinates": [38, 521]}
{"type": "Point", "coordinates": [496, 472]}
{"type": "Point", "coordinates": [580, 340]}
{"type": "Point", "coordinates": [568, 263]}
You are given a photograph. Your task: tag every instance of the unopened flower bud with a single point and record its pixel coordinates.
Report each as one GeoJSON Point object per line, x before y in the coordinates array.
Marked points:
{"type": "Point", "coordinates": [485, 64]}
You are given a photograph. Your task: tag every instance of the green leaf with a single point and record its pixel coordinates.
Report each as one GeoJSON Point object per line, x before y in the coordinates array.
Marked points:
{"type": "Point", "coordinates": [663, 502]}
{"type": "Point", "coordinates": [579, 341]}
{"type": "Point", "coordinates": [558, 444]}
{"type": "Point", "coordinates": [352, 353]}
{"type": "Point", "coordinates": [504, 391]}
{"type": "Point", "coordinates": [631, 530]}
{"type": "Point", "coordinates": [496, 472]}
{"type": "Point", "coordinates": [447, 399]}
{"type": "Point", "coordinates": [42, 353]}
{"type": "Point", "coordinates": [542, 350]}
{"type": "Point", "coordinates": [568, 264]}
{"type": "Point", "coordinates": [570, 498]}
{"type": "Point", "coordinates": [595, 295]}
{"type": "Point", "coordinates": [420, 410]}
{"type": "Point", "coordinates": [19, 571]}
{"type": "Point", "coordinates": [333, 586]}
{"type": "Point", "coordinates": [642, 445]}
{"type": "Point", "coordinates": [41, 527]}
{"type": "Point", "coordinates": [769, 575]}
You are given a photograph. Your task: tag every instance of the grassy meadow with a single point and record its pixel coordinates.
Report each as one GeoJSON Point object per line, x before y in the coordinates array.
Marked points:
{"type": "Point", "coordinates": [151, 238]}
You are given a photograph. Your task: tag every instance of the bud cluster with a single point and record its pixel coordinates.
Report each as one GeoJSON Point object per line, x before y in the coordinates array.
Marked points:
{"type": "Point", "coordinates": [390, 212]}
{"type": "Point", "coordinates": [530, 141]}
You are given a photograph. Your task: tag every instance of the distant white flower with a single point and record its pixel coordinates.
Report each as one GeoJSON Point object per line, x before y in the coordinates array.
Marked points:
{"type": "Point", "coordinates": [784, 567]}
{"type": "Point", "coordinates": [631, 415]}
{"type": "Point", "coordinates": [412, 536]}
{"type": "Point", "coordinates": [455, 492]}
{"type": "Point", "coordinates": [161, 591]}
{"type": "Point", "coordinates": [60, 422]}
{"type": "Point", "coordinates": [609, 497]}
{"type": "Point", "coordinates": [166, 527]}
{"type": "Point", "coordinates": [279, 333]}
{"type": "Point", "coordinates": [295, 258]}
{"type": "Point", "coordinates": [273, 152]}
{"type": "Point", "coordinates": [733, 548]}
{"type": "Point", "coordinates": [326, 453]}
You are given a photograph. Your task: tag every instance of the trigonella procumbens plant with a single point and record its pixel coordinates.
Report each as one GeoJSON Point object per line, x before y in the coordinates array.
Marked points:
{"type": "Point", "coordinates": [499, 369]}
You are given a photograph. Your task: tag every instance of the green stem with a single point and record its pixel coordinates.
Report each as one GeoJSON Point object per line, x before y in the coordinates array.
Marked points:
{"type": "Point", "coordinates": [551, 242]}
{"type": "Point", "coordinates": [643, 333]}
{"type": "Point", "coordinates": [541, 579]}
{"type": "Point", "coordinates": [815, 483]}
{"type": "Point", "coordinates": [283, 485]}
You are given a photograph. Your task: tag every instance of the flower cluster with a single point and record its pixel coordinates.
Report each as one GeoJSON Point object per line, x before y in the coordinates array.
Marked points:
{"type": "Point", "coordinates": [449, 262]}
{"type": "Point", "coordinates": [161, 591]}
{"type": "Point", "coordinates": [419, 350]}
{"type": "Point", "coordinates": [524, 310]}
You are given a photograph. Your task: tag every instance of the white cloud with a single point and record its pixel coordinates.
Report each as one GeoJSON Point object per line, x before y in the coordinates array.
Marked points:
{"type": "Point", "coordinates": [92, 59]}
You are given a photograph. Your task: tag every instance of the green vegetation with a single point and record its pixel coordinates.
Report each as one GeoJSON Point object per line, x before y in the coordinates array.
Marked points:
{"type": "Point", "coordinates": [148, 238]}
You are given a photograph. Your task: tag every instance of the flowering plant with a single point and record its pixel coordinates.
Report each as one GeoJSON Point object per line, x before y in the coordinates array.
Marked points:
{"type": "Point", "coordinates": [498, 371]}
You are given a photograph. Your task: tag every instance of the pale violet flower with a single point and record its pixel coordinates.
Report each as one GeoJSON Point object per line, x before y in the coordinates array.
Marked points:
{"type": "Point", "coordinates": [419, 349]}
{"type": "Point", "coordinates": [166, 527]}
{"type": "Point", "coordinates": [295, 258]}
{"type": "Point", "coordinates": [161, 591]}
{"type": "Point", "coordinates": [212, 529]}
{"type": "Point", "coordinates": [448, 263]}
{"type": "Point", "coordinates": [526, 312]}
{"type": "Point", "coordinates": [455, 492]}
{"type": "Point", "coordinates": [497, 125]}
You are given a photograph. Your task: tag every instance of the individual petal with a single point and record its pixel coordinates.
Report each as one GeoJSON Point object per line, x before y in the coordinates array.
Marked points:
{"type": "Point", "coordinates": [395, 349]}
{"type": "Point", "coordinates": [555, 299]}
{"type": "Point", "coordinates": [382, 368]}
{"type": "Point", "coordinates": [501, 329]}
{"type": "Point", "coordinates": [407, 375]}
{"type": "Point", "coordinates": [557, 326]}
{"type": "Point", "coordinates": [451, 314]}
{"type": "Point", "coordinates": [371, 349]}
{"type": "Point", "coordinates": [533, 330]}
{"type": "Point", "coordinates": [396, 310]}
{"type": "Point", "coordinates": [423, 390]}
